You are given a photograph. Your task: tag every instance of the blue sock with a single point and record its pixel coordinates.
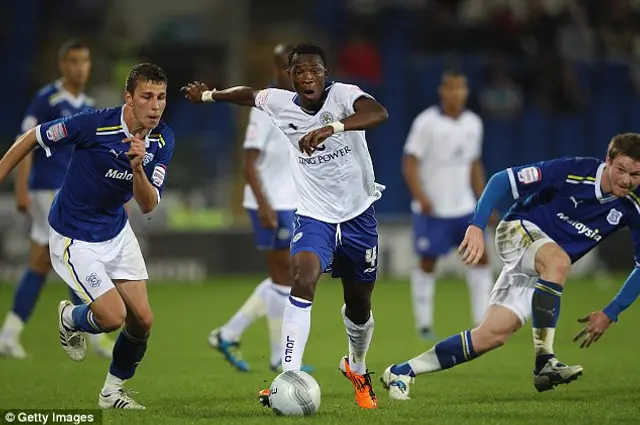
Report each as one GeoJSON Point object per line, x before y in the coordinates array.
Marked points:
{"type": "Point", "coordinates": [84, 320]}
{"type": "Point", "coordinates": [27, 293]}
{"type": "Point", "coordinates": [127, 354]}
{"type": "Point", "coordinates": [545, 310]}
{"type": "Point", "coordinates": [75, 299]}
{"type": "Point", "coordinates": [455, 350]}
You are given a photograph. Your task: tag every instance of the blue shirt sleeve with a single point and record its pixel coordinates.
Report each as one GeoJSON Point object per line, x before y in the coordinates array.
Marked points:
{"type": "Point", "coordinates": [38, 112]}
{"type": "Point", "coordinates": [631, 288]}
{"type": "Point", "coordinates": [158, 171]}
{"type": "Point", "coordinates": [76, 129]}
{"type": "Point", "coordinates": [497, 188]}
{"type": "Point", "coordinates": [529, 179]}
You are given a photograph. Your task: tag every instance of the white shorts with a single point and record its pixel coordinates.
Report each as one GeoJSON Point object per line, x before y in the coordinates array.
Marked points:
{"type": "Point", "coordinates": [39, 211]}
{"type": "Point", "coordinates": [517, 243]}
{"type": "Point", "coordinates": [90, 268]}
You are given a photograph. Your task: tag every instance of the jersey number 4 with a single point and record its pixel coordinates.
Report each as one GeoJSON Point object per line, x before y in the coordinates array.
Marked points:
{"type": "Point", "coordinates": [371, 257]}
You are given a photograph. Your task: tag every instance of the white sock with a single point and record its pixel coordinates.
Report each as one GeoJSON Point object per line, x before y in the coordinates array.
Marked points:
{"type": "Point", "coordinates": [277, 302]}
{"type": "Point", "coordinates": [296, 324]}
{"type": "Point", "coordinates": [359, 341]}
{"type": "Point", "coordinates": [425, 362]}
{"type": "Point", "coordinates": [112, 384]}
{"type": "Point", "coordinates": [67, 318]}
{"type": "Point", "coordinates": [422, 289]}
{"type": "Point", "coordinates": [479, 280]}
{"type": "Point", "coordinates": [94, 338]}
{"type": "Point", "coordinates": [253, 308]}
{"type": "Point", "coordinates": [12, 327]}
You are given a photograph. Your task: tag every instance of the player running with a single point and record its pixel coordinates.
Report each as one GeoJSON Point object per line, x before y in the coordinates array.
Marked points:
{"type": "Point", "coordinates": [335, 227]}
{"type": "Point", "coordinates": [120, 153]}
{"type": "Point", "coordinates": [270, 200]}
{"type": "Point", "coordinates": [444, 172]}
{"type": "Point", "coordinates": [38, 180]}
{"type": "Point", "coordinates": [563, 209]}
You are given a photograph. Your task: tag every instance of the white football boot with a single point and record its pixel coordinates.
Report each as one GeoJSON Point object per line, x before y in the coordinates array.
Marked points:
{"type": "Point", "coordinates": [73, 342]}
{"type": "Point", "coordinates": [555, 373]}
{"type": "Point", "coordinates": [398, 385]}
{"type": "Point", "coordinates": [119, 400]}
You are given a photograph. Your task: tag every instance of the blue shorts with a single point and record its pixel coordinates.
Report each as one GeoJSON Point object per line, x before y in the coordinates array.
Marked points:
{"type": "Point", "coordinates": [347, 250]}
{"type": "Point", "coordinates": [278, 238]}
{"type": "Point", "coordinates": [434, 237]}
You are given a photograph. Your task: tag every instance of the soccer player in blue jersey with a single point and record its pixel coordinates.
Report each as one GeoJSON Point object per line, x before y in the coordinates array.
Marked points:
{"type": "Point", "coordinates": [38, 180]}
{"type": "Point", "coordinates": [120, 153]}
{"type": "Point", "coordinates": [563, 208]}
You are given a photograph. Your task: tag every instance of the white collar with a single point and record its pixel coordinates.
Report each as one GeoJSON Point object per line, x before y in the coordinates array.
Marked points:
{"type": "Point", "coordinates": [75, 101]}
{"type": "Point", "coordinates": [598, 185]}
{"type": "Point", "coordinates": [126, 129]}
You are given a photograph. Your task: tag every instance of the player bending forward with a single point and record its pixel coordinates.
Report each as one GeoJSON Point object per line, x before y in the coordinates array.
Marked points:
{"type": "Point", "coordinates": [563, 209]}
{"type": "Point", "coordinates": [335, 226]}
{"type": "Point", "coordinates": [92, 245]}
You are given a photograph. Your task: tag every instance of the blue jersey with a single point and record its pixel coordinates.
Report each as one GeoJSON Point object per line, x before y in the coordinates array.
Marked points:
{"type": "Point", "coordinates": [52, 102]}
{"type": "Point", "coordinates": [564, 198]}
{"type": "Point", "coordinates": [99, 181]}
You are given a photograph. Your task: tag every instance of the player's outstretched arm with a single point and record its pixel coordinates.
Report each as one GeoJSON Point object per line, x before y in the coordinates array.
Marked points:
{"type": "Point", "coordinates": [597, 322]}
{"type": "Point", "coordinates": [472, 247]}
{"type": "Point", "coordinates": [17, 152]}
{"type": "Point", "coordinates": [198, 92]}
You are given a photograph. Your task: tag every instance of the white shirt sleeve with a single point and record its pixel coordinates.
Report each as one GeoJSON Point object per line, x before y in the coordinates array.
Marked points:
{"type": "Point", "coordinates": [418, 138]}
{"type": "Point", "coordinates": [272, 101]}
{"type": "Point", "coordinates": [477, 154]}
{"type": "Point", "coordinates": [258, 129]}
{"type": "Point", "coordinates": [348, 94]}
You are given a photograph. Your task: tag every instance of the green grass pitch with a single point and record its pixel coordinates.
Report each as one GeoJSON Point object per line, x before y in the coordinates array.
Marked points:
{"type": "Point", "coordinates": [183, 381]}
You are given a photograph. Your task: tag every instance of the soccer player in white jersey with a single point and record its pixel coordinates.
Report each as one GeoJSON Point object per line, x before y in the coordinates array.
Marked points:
{"type": "Point", "coordinates": [120, 153]}
{"type": "Point", "coordinates": [335, 227]}
{"type": "Point", "coordinates": [443, 169]}
{"type": "Point", "coordinates": [37, 181]}
{"type": "Point", "coordinates": [563, 208]}
{"type": "Point", "coordinates": [270, 200]}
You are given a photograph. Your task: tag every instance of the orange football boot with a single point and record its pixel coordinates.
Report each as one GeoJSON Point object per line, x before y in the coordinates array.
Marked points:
{"type": "Point", "coordinates": [365, 397]}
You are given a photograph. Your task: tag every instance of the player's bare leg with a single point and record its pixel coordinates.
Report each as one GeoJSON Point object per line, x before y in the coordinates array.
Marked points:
{"type": "Point", "coordinates": [359, 323]}
{"type": "Point", "coordinates": [105, 314]}
{"type": "Point", "coordinates": [553, 265]}
{"type": "Point", "coordinates": [496, 328]}
{"type": "Point", "coordinates": [422, 294]}
{"type": "Point", "coordinates": [480, 281]}
{"type": "Point", "coordinates": [130, 346]}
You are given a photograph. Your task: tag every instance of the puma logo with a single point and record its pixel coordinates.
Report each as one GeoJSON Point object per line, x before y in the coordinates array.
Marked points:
{"type": "Point", "coordinates": [575, 202]}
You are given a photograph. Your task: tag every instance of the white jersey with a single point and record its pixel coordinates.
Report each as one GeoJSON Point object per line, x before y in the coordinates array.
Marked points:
{"type": "Point", "coordinates": [274, 163]}
{"type": "Point", "coordinates": [446, 148]}
{"type": "Point", "coordinates": [336, 183]}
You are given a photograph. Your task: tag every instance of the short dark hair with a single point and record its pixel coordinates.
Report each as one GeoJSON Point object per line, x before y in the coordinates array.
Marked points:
{"type": "Point", "coordinates": [627, 144]}
{"type": "Point", "coordinates": [69, 45]}
{"type": "Point", "coordinates": [307, 49]}
{"type": "Point", "coordinates": [143, 73]}
{"type": "Point", "coordinates": [452, 73]}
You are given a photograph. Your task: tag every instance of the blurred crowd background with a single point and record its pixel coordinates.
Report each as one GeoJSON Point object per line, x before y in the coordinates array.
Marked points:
{"type": "Point", "coordinates": [548, 77]}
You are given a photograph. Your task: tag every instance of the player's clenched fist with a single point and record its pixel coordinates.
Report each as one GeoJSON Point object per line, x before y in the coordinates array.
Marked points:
{"type": "Point", "coordinates": [310, 142]}
{"type": "Point", "coordinates": [193, 91]}
{"type": "Point", "coordinates": [472, 247]}
{"type": "Point", "coordinates": [137, 150]}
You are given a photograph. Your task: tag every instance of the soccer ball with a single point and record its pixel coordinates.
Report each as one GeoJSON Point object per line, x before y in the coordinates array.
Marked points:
{"type": "Point", "coordinates": [294, 393]}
